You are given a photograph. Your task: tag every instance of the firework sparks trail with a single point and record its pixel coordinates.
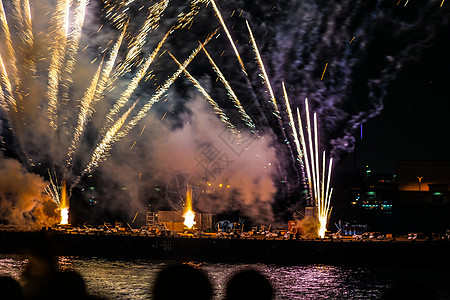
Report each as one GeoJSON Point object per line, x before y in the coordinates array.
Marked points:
{"type": "Point", "coordinates": [138, 41]}
{"type": "Point", "coordinates": [163, 88]}
{"type": "Point", "coordinates": [217, 110]}
{"type": "Point", "coordinates": [236, 52]}
{"type": "Point", "coordinates": [52, 188]}
{"type": "Point", "coordinates": [105, 145]}
{"type": "Point", "coordinates": [304, 153]}
{"type": "Point", "coordinates": [151, 23]}
{"type": "Point", "coordinates": [105, 79]}
{"type": "Point", "coordinates": [316, 156]}
{"type": "Point", "coordinates": [93, 94]}
{"type": "Point", "coordinates": [10, 56]}
{"type": "Point", "coordinates": [3, 103]}
{"type": "Point", "coordinates": [23, 16]}
{"type": "Point", "coordinates": [134, 83]}
{"type": "Point", "coordinates": [185, 19]}
{"type": "Point", "coordinates": [58, 32]}
{"type": "Point", "coordinates": [319, 190]}
{"type": "Point", "coordinates": [115, 133]}
{"type": "Point", "coordinates": [85, 111]}
{"type": "Point", "coordinates": [9, 99]}
{"type": "Point", "coordinates": [272, 95]}
{"type": "Point", "coordinates": [322, 203]}
{"type": "Point", "coordinates": [291, 122]}
{"type": "Point", "coordinates": [116, 11]}
{"type": "Point", "coordinates": [227, 32]}
{"type": "Point", "coordinates": [73, 39]}
{"type": "Point", "coordinates": [232, 95]}
{"type": "Point", "coordinates": [263, 70]}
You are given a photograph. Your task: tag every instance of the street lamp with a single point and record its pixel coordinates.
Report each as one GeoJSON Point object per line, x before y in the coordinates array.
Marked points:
{"type": "Point", "coordinates": [420, 182]}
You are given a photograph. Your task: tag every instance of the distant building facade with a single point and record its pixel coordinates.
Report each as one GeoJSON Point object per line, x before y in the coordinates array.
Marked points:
{"type": "Point", "coordinates": [415, 198]}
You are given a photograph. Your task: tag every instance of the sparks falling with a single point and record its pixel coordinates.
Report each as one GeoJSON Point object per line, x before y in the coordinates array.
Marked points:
{"type": "Point", "coordinates": [44, 83]}
{"type": "Point", "coordinates": [318, 175]}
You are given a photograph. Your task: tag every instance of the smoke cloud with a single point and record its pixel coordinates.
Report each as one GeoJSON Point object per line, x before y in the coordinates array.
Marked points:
{"type": "Point", "coordinates": [23, 200]}
{"type": "Point", "coordinates": [230, 173]}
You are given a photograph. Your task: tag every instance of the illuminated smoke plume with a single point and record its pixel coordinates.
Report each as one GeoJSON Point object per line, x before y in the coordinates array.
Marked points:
{"type": "Point", "coordinates": [23, 200]}
{"type": "Point", "coordinates": [180, 145]}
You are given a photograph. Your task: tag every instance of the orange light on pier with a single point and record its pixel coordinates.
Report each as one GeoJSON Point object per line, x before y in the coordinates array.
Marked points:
{"type": "Point", "coordinates": [64, 205]}
{"type": "Point", "coordinates": [189, 214]}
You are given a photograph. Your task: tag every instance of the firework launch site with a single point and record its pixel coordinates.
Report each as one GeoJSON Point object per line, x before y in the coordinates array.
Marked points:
{"type": "Point", "coordinates": [259, 247]}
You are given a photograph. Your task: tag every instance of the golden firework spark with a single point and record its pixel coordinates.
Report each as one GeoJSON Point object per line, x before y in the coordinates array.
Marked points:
{"type": "Point", "coordinates": [319, 188]}
{"type": "Point", "coordinates": [8, 42]}
{"type": "Point", "coordinates": [232, 95]}
{"type": "Point", "coordinates": [217, 110]}
{"type": "Point", "coordinates": [326, 65]}
{"type": "Point", "coordinates": [134, 83]}
{"type": "Point", "coordinates": [138, 41]}
{"type": "Point", "coordinates": [73, 40]}
{"type": "Point", "coordinates": [227, 32]}
{"type": "Point", "coordinates": [163, 88]}
{"type": "Point", "coordinates": [58, 33]}
{"type": "Point", "coordinates": [105, 144]}
{"type": "Point", "coordinates": [85, 111]}
{"type": "Point", "coordinates": [263, 70]}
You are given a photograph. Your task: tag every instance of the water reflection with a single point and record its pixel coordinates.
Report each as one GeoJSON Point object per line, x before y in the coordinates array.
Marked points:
{"type": "Point", "coordinates": [132, 279]}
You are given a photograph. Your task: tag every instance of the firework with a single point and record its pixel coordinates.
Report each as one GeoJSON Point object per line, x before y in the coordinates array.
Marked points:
{"type": "Point", "coordinates": [308, 153]}
{"type": "Point", "coordinates": [217, 110]}
{"type": "Point", "coordinates": [225, 28]}
{"type": "Point", "coordinates": [135, 81]}
{"type": "Point", "coordinates": [189, 214]}
{"type": "Point", "coordinates": [58, 32]}
{"type": "Point", "coordinates": [44, 82]}
{"type": "Point", "coordinates": [237, 103]}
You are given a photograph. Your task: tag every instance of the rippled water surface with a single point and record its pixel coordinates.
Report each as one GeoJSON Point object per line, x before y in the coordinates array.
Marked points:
{"type": "Point", "coordinates": [132, 279]}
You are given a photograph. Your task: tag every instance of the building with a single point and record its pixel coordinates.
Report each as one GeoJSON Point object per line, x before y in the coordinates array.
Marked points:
{"type": "Point", "coordinates": [414, 199]}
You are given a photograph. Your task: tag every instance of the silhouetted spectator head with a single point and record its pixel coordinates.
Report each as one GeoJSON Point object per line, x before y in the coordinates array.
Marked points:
{"type": "Point", "coordinates": [10, 289]}
{"type": "Point", "coordinates": [38, 275]}
{"type": "Point", "coordinates": [68, 285]}
{"type": "Point", "coordinates": [249, 284]}
{"type": "Point", "coordinates": [182, 282]}
{"type": "Point", "coordinates": [411, 290]}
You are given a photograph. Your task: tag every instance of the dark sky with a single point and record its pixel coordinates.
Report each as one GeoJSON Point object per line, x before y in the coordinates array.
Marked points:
{"type": "Point", "coordinates": [414, 124]}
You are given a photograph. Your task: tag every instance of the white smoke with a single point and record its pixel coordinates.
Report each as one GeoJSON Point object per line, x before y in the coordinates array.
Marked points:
{"type": "Point", "coordinates": [205, 149]}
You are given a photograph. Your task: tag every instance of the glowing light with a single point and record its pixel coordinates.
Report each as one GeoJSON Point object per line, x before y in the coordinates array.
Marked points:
{"type": "Point", "coordinates": [64, 205]}
{"type": "Point", "coordinates": [224, 26]}
{"type": "Point", "coordinates": [217, 110]}
{"type": "Point", "coordinates": [308, 153]}
{"type": "Point", "coordinates": [232, 95]}
{"type": "Point", "coordinates": [58, 33]}
{"type": "Point", "coordinates": [135, 82]}
{"type": "Point", "coordinates": [326, 65]}
{"type": "Point", "coordinates": [189, 214]}
{"type": "Point", "coordinates": [263, 70]}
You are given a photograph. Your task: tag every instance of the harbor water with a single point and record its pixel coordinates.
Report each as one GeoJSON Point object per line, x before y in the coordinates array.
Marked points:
{"type": "Point", "coordinates": [132, 279]}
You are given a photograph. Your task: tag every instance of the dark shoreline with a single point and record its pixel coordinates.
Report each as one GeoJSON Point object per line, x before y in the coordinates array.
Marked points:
{"type": "Point", "coordinates": [248, 250]}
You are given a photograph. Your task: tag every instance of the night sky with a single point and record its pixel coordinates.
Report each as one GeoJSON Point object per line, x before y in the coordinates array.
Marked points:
{"type": "Point", "coordinates": [414, 122]}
